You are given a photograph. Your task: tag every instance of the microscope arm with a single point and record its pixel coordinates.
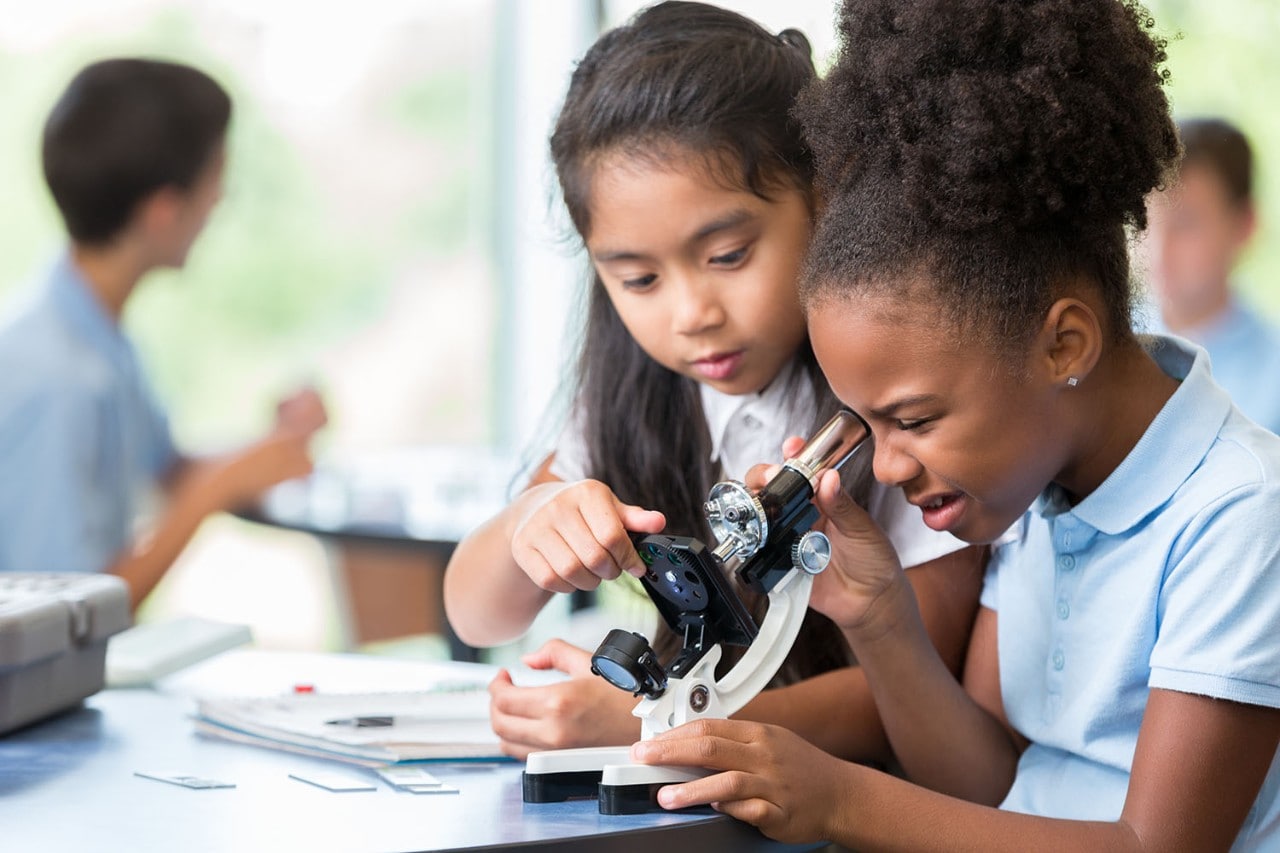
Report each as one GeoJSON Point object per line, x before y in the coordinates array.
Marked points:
{"type": "Point", "coordinates": [788, 603]}
{"type": "Point", "coordinates": [699, 695]}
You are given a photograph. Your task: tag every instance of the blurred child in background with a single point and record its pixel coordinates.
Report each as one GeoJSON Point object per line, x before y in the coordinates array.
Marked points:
{"type": "Point", "coordinates": [133, 155]}
{"type": "Point", "coordinates": [1199, 227]}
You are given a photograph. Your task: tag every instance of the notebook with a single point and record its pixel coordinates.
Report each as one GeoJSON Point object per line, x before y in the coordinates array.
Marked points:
{"type": "Point", "coordinates": [448, 722]}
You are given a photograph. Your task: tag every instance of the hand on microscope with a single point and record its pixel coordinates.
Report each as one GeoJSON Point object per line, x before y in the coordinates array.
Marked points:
{"type": "Point", "coordinates": [864, 571]}
{"type": "Point", "coordinates": [573, 535]}
{"type": "Point", "coordinates": [583, 710]}
{"type": "Point", "coordinates": [769, 776]}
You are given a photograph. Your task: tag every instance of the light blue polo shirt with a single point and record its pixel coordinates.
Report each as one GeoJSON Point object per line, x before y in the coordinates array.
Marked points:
{"type": "Point", "coordinates": [1244, 351]}
{"type": "Point", "coordinates": [82, 439]}
{"type": "Point", "coordinates": [1166, 576]}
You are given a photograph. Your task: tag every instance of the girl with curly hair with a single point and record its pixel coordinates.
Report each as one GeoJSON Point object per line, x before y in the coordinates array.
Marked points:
{"type": "Point", "coordinates": [968, 293]}
{"type": "Point", "coordinates": [691, 186]}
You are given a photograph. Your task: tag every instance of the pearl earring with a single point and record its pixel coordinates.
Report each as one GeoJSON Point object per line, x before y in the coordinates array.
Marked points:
{"type": "Point", "coordinates": [1072, 381]}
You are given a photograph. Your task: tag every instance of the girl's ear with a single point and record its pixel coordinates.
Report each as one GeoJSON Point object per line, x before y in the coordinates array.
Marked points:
{"type": "Point", "coordinates": [1070, 342]}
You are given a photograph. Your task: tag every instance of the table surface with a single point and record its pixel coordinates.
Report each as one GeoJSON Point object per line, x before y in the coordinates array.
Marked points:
{"type": "Point", "coordinates": [68, 784]}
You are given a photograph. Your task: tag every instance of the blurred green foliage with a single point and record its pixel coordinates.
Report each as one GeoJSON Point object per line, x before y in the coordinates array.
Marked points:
{"type": "Point", "coordinates": [443, 110]}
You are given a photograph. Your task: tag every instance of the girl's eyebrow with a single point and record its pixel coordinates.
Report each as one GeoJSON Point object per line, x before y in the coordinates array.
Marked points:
{"type": "Point", "coordinates": [732, 219]}
{"type": "Point", "coordinates": [888, 411]}
{"type": "Point", "coordinates": [621, 255]}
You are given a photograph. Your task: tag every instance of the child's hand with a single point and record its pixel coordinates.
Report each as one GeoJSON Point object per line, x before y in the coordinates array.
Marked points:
{"type": "Point", "coordinates": [864, 564]}
{"type": "Point", "coordinates": [584, 711]}
{"type": "Point", "coordinates": [302, 413]}
{"type": "Point", "coordinates": [240, 477]}
{"type": "Point", "coordinates": [769, 777]}
{"type": "Point", "coordinates": [575, 535]}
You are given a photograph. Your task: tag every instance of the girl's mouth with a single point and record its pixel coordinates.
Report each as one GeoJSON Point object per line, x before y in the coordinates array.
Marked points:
{"type": "Point", "coordinates": [719, 367]}
{"type": "Point", "coordinates": [943, 512]}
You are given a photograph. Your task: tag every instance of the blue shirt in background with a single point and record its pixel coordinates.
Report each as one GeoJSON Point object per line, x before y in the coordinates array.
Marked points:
{"type": "Point", "coordinates": [1244, 351]}
{"type": "Point", "coordinates": [1166, 576]}
{"type": "Point", "coordinates": [82, 439]}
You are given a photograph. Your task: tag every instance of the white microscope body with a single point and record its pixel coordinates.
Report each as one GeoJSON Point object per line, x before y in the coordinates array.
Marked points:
{"type": "Point", "coordinates": [766, 540]}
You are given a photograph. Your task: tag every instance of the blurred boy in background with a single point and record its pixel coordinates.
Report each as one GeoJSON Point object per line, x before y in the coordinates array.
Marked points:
{"type": "Point", "coordinates": [133, 154]}
{"type": "Point", "coordinates": [1198, 229]}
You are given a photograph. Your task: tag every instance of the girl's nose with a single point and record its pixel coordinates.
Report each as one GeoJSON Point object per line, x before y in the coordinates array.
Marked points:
{"type": "Point", "coordinates": [698, 307]}
{"type": "Point", "coordinates": [891, 465]}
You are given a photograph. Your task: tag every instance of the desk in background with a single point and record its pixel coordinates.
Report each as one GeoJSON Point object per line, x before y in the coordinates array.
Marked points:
{"type": "Point", "coordinates": [68, 784]}
{"type": "Point", "coordinates": [390, 522]}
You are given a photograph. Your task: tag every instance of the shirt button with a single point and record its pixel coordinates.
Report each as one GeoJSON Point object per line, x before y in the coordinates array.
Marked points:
{"type": "Point", "coordinates": [750, 421]}
{"type": "Point", "coordinates": [1059, 660]}
{"type": "Point", "coordinates": [1066, 562]}
{"type": "Point", "coordinates": [1064, 610]}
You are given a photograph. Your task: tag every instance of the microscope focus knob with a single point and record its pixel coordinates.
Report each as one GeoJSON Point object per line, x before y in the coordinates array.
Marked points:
{"type": "Point", "coordinates": [811, 552]}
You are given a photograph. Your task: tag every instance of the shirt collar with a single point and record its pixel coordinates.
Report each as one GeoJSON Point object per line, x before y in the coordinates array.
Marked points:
{"type": "Point", "coordinates": [75, 301]}
{"type": "Point", "coordinates": [768, 406]}
{"type": "Point", "coordinates": [1174, 444]}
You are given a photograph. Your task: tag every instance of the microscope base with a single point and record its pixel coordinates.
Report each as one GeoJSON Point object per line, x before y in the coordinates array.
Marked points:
{"type": "Point", "coordinates": [559, 787]}
{"type": "Point", "coordinates": [629, 799]}
{"type": "Point", "coordinates": [633, 788]}
{"type": "Point", "coordinates": [606, 772]}
{"type": "Point", "coordinates": [554, 776]}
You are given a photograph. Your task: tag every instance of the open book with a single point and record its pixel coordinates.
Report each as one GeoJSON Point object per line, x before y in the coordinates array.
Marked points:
{"type": "Point", "coordinates": [448, 722]}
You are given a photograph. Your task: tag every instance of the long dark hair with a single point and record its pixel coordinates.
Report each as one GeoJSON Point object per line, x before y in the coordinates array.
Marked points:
{"type": "Point", "coordinates": [684, 77]}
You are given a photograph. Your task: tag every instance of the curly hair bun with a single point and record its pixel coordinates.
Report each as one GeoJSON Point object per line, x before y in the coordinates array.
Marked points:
{"type": "Point", "coordinates": [1008, 113]}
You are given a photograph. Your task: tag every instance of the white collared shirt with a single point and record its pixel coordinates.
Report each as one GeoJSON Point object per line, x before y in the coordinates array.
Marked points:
{"type": "Point", "coordinates": [747, 429]}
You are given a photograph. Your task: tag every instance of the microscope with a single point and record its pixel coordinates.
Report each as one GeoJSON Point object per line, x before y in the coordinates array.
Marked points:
{"type": "Point", "coordinates": [765, 540]}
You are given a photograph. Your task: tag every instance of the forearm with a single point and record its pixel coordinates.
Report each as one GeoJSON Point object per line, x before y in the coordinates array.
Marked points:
{"type": "Point", "coordinates": [835, 712]}
{"type": "Point", "coordinates": [487, 597]}
{"type": "Point", "coordinates": [940, 736]}
{"type": "Point", "coordinates": [148, 558]}
{"type": "Point", "coordinates": [881, 813]}
{"type": "Point", "coordinates": [180, 472]}
{"type": "Point", "coordinates": [196, 487]}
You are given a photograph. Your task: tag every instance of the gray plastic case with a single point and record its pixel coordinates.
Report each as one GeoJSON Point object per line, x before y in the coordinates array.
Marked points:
{"type": "Point", "coordinates": [53, 640]}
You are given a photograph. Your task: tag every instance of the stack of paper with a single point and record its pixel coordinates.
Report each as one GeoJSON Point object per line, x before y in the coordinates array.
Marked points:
{"type": "Point", "coordinates": [449, 722]}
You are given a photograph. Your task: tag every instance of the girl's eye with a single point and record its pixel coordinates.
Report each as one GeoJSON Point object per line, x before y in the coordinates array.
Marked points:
{"type": "Point", "coordinates": [912, 425]}
{"type": "Point", "coordinates": [730, 258]}
{"type": "Point", "coordinates": [640, 282]}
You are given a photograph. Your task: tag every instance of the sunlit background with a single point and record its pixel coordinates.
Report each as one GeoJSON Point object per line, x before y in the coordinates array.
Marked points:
{"type": "Point", "coordinates": [389, 232]}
